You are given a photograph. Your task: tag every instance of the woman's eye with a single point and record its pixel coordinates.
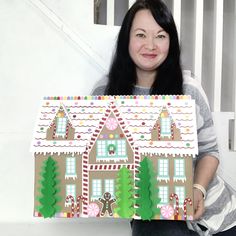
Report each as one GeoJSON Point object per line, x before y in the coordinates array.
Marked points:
{"type": "Point", "coordinates": [140, 35]}
{"type": "Point", "coordinates": [161, 36]}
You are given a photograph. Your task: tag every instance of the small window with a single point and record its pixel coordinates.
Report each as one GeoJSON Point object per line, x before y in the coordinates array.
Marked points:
{"type": "Point", "coordinates": [111, 149]}
{"type": "Point", "coordinates": [180, 191]}
{"type": "Point", "coordinates": [164, 195]}
{"type": "Point", "coordinates": [70, 166]}
{"type": "Point", "coordinates": [71, 190]}
{"type": "Point", "coordinates": [109, 186]}
{"type": "Point", "coordinates": [163, 168]}
{"type": "Point", "coordinates": [180, 168]}
{"type": "Point", "coordinates": [61, 126]}
{"type": "Point", "coordinates": [165, 126]}
{"type": "Point", "coordinates": [96, 188]}
{"type": "Point", "coordinates": [101, 148]}
{"type": "Point", "coordinates": [121, 148]}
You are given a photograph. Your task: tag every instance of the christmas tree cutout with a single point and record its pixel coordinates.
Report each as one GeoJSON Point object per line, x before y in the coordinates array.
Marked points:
{"type": "Point", "coordinates": [147, 192]}
{"type": "Point", "coordinates": [125, 194]}
{"type": "Point", "coordinates": [49, 189]}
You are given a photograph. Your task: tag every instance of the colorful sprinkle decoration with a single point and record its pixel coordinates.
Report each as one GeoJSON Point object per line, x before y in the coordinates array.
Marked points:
{"type": "Point", "coordinates": [163, 97]}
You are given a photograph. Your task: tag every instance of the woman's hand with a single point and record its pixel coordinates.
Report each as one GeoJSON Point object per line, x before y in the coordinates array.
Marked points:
{"type": "Point", "coordinates": [204, 171]}
{"type": "Point", "coordinates": [198, 204]}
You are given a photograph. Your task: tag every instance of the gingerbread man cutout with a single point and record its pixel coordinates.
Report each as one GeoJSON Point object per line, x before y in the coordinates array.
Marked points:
{"type": "Point", "coordinates": [106, 204]}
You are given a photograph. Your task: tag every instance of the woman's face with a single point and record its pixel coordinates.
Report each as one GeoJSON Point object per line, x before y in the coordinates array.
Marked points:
{"type": "Point", "coordinates": [149, 43]}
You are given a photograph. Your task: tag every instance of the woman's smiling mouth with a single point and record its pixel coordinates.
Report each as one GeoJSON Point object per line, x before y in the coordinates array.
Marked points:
{"type": "Point", "coordinates": [149, 56]}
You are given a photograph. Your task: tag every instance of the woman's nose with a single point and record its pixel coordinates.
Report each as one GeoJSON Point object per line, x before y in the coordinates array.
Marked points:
{"type": "Point", "coordinates": [150, 43]}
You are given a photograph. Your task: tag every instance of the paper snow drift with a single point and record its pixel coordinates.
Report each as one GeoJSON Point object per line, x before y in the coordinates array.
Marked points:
{"type": "Point", "coordinates": [115, 156]}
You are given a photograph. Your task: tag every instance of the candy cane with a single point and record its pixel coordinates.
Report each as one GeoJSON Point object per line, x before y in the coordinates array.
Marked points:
{"type": "Point", "coordinates": [78, 204]}
{"type": "Point", "coordinates": [69, 197]}
{"type": "Point", "coordinates": [54, 130]}
{"type": "Point", "coordinates": [172, 132]}
{"type": "Point", "coordinates": [67, 130]}
{"type": "Point", "coordinates": [159, 132]}
{"type": "Point", "coordinates": [186, 200]}
{"type": "Point", "coordinates": [174, 195]}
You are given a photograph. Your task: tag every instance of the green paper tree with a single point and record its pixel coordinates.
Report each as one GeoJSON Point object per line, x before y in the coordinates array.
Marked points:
{"type": "Point", "coordinates": [49, 190]}
{"type": "Point", "coordinates": [147, 192]}
{"type": "Point", "coordinates": [124, 193]}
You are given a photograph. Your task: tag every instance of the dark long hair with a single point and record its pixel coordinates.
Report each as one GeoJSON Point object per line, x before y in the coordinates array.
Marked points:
{"type": "Point", "coordinates": [122, 75]}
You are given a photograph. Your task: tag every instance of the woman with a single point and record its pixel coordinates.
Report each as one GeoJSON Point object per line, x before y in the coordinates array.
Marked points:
{"type": "Point", "coordinates": [147, 61]}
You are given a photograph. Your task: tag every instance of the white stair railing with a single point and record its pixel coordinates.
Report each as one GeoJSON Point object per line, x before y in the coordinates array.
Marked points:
{"type": "Point", "coordinates": [177, 15]}
{"type": "Point", "coordinates": [198, 39]}
{"type": "Point", "coordinates": [131, 2]}
{"type": "Point", "coordinates": [234, 95]}
{"type": "Point", "coordinates": [219, 9]}
{"type": "Point", "coordinates": [110, 12]}
{"type": "Point", "coordinates": [79, 42]}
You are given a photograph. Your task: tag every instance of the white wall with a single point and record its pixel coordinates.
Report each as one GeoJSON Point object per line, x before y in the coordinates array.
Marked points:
{"type": "Point", "coordinates": [36, 60]}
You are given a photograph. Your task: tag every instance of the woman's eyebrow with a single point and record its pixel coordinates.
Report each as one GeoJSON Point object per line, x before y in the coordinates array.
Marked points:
{"type": "Point", "coordinates": [160, 31]}
{"type": "Point", "coordinates": [140, 29]}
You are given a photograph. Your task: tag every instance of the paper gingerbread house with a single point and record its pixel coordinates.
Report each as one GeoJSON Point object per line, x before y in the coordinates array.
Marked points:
{"type": "Point", "coordinates": [115, 156]}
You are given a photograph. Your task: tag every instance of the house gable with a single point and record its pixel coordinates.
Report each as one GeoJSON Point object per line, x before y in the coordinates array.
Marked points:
{"type": "Point", "coordinates": [61, 127]}
{"type": "Point", "coordinates": [111, 141]}
{"type": "Point", "coordinates": [165, 128]}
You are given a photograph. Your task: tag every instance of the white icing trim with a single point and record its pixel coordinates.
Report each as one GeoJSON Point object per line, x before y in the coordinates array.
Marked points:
{"type": "Point", "coordinates": [183, 179]}
{"type": "Point", "coordinates": [59, 135]}
{"type": "Point", "coordinates": [112, 159]}
{"type": "Point", "coordinates": [67, 204]}
{"type": "Point", "coordinates": [93, 199]}
{"type": "Point", "coordinates": [74, 176]}
{"type": "Point", "coordinates": [167, 179]}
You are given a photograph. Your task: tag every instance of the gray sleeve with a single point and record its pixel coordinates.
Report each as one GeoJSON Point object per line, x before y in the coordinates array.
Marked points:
{"type": "Point", "coordinates": [207, 141]}
{"type": "Point", "coordinates": [99, 90]}
{"type": "Point", "coordinates": [100, 86]}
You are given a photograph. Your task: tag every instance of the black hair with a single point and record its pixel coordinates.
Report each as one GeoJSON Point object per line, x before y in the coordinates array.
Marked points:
{"type": "Point", "coordinates": [122, 75]}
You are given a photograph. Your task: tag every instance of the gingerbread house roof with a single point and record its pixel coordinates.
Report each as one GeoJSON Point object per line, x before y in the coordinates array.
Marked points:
{"type": "Point", "coordinates": [119, 119]}
{"type": "Point", "coordinates": [139, 113]}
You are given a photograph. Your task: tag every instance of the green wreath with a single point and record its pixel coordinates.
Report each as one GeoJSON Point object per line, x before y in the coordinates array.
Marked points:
{"type": "Point", "coordinates": [111, 148]}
